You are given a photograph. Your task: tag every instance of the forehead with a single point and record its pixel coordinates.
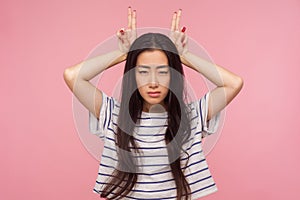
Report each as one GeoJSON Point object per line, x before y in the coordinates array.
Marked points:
{"type": "Point", "coordinates": [153, 57]}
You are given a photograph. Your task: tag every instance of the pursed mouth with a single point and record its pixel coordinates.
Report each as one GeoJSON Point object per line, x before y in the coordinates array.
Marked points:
{"type": "Point", "coordinates": [154, 94]}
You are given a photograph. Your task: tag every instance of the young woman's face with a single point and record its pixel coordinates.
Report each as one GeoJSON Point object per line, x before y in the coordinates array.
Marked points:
{"type": "Point", "coordinates": [152, 77]}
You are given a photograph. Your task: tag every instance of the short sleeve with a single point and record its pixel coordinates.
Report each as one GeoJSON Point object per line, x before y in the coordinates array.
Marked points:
{"type": "Point", "coordinates": [100, 127]}
{"type": "Point", "coordinates": [207, 127]}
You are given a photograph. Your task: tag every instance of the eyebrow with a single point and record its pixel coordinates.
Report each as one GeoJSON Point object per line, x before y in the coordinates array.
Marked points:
{"type": "Point", "coordinates": [157, 67]}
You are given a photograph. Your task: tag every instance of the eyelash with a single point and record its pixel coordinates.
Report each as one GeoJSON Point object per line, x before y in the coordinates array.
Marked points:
{"type": "Point", "coordinates": [161, 72]}
{"type": "Point", "coordinates": [141, 72]}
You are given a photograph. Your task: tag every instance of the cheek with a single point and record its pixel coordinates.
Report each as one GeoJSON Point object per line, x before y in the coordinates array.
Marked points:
{"type": "Point", "coordinates": [166, 89]}
{"type": "Point", "coordinates": [165, 82]}
{"type": "Point", "coordinates": [138, 80]}
{"type": "Point", "coordinates": [140, 86]}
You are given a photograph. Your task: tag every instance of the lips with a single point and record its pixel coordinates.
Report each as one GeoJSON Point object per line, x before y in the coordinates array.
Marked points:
{"type": "Point", "coordinates": [153, 94]}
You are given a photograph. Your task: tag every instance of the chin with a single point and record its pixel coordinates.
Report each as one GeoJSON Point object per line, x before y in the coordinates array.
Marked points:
{"type": "Point", "coordinates": [153, 102]}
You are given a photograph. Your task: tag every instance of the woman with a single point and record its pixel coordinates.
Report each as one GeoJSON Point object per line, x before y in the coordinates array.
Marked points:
{"type": "Point", "coordinates": [162, 159]}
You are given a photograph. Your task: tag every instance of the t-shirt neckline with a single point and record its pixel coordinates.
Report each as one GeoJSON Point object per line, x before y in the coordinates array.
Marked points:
{"type": "Point", "coordinates": [155, 114]}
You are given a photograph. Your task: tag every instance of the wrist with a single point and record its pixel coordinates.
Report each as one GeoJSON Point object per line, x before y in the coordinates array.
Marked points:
{"type": "Point", "coordinates": [185, 54]}
{"type": "Point", "coordinates": [185, 58]}
{"type": "Point", "coordinates": [121, 56]}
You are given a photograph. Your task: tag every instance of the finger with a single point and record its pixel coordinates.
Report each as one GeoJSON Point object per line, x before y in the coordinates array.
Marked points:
{"type": "Point", "coordinates": [178, 19]}
{"type": "Point", "coordinates": [129, 17]}
{"type": "Point", "coordinates": [126, 42]}
{"type": "Point", "coordinates": [173, 25]}
{"type": "Point", "coordinates": [183, 38]}
{"type": "Point", "coordinates": [133, 20]}
{"type": "Point", "coordinates": [119, 35]}
{"type": "Point", "coordinates": [122, 31]}
{"type": "Point", "coordinates": [185, 41]}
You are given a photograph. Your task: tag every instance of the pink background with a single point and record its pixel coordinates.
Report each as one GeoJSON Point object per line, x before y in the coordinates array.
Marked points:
{"type": "Point", "coordinates": [42, 157]}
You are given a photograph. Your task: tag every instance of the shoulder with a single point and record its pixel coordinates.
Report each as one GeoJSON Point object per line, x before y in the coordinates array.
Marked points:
{"type": "Point", "coordinates": [110, 100]}
{"type": "Point", "coordinates": [110, 107]}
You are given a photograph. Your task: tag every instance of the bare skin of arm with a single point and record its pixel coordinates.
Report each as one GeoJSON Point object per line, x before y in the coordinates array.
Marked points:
{"type": "Point", "coordinates": [228, 84]}
{"type": "Point", "coordinates": [78, 77]}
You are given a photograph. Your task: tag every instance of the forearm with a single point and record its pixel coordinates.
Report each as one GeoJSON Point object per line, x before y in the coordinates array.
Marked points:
{"type": "Point", "coordinates": [88, 69]}
{"type": "Point", "coordinates": [216, 74]}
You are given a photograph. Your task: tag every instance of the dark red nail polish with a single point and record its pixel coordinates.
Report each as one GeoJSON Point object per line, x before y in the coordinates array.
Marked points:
{"type": "Point", "coordinates": [183, 29]}
{"type": "Point", "coordinates": [122, 31]}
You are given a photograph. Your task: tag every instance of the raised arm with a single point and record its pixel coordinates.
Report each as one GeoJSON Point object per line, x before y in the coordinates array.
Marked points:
{"type": "Point", "coordinates": [77, 77]}
{"type": "Point", "coordinates": [228, 84]}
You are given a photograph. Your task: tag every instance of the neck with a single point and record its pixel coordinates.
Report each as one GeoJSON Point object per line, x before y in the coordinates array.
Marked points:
{"type": "Point", "coordinates": [156, 108]}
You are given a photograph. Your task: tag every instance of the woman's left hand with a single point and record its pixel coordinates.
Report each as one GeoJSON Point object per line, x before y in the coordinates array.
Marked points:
{"type": "Point", "coordinates": [179, 37]}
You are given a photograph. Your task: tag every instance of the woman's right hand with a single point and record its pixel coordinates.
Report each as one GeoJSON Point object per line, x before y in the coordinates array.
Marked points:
{"type": "Point", "coordinates": [127, 36]}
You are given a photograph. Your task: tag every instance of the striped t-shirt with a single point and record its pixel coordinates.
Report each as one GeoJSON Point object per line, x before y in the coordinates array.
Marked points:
{"type": "Point", "coordinates": [155, 181]}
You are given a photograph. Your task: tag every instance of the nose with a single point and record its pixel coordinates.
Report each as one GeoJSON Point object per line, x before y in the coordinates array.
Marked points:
{"type": "Point", "coordinates": [153, 81]}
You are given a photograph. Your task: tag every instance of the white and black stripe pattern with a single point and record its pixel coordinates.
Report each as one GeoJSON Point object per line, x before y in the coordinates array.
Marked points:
{"type": "Point", "coordinates": [155, 180]}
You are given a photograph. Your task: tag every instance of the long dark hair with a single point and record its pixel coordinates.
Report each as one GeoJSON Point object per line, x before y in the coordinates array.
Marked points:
{"type": "Point", "coordinates": [178, 131]}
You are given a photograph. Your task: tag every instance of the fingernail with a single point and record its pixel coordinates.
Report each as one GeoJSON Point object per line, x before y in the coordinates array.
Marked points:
{"type": "Point", "coordinates": [129, 6]}
{"type": "Point", "coordinates": [183, 29]}
{"type": "Point", "coordinates": [122, 31]}
{"type": "Point", "coordinates": [134, 10]}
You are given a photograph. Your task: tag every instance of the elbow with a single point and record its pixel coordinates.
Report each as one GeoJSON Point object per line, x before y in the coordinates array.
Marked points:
{"type": "Point", "coordinates": [69, 77]}
{"type": "Point", "coordinates": [67, 74]}
{"type": "Point", "coordinates": [238, 83]}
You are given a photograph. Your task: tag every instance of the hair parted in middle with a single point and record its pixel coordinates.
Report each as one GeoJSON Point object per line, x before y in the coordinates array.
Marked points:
{"type": "Point", "coordinates": [178, 130]}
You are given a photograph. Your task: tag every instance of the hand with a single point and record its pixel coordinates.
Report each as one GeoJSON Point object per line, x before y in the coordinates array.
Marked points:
{"type": "Point", "coordinates": [127, 36]}
{"type": "Point", "coordinates": [178, 37]}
